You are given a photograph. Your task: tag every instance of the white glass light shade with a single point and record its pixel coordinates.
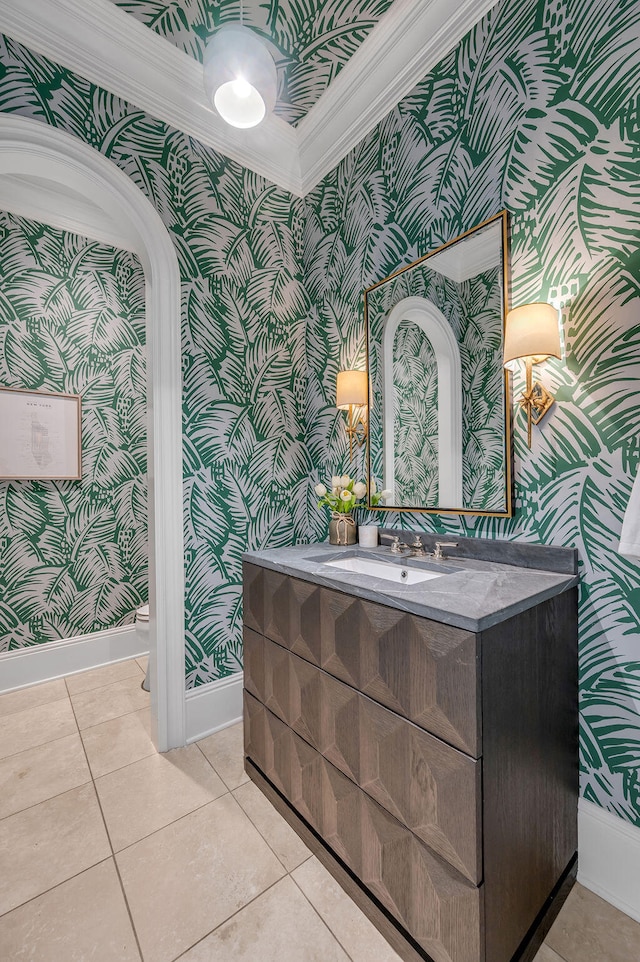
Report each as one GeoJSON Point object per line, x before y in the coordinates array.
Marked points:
{"type": "Point", "coordinates": [351, 388]}
{"type": "Point", "coordinates": [240, 76]}
{"type": "Point", "coordinates": [532, 330]}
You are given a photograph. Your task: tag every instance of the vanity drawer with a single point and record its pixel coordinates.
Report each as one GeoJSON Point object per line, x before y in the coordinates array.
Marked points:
{"type": "Point", "coordinates": [421, 669]}
{"type": "Point", "coordinates": [431, 900]}
{"type": "Point", "coordinates": [430, 787]}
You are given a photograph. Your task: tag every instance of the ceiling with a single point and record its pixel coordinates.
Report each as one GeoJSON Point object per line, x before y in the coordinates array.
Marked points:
{"type": "Point", "coordinates": [311, 40]}
{"type": "Point", "coordinates": [344, 64]}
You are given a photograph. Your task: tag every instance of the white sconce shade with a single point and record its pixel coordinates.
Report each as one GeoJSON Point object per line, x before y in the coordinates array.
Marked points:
{"type": "Point", "coordinates": [351, 388]}
{"type": "Point", "coordinates": [352, 391]}
{"type": "Point", "coordinates": [532, 331]}
{"type": "Point", "coordinates": [240, 76]}
{"type": "Point", "coordinates": [533, 334]}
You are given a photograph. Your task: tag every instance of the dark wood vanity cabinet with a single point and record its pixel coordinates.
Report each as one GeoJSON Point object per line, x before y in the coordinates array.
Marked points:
{"type": "Point", "coordinates": [432, 769]}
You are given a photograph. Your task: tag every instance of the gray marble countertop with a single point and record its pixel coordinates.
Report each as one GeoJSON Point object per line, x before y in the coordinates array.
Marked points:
{"type": "Point", "coordinates": [471, 594]}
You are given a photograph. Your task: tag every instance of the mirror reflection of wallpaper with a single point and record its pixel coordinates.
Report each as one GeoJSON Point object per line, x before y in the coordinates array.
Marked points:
{"type": "Point", "coordinates": [473, 308]}
{"type": "Point", "coordinates": [73, 554]}
{"type": "Point", "coordinates": [415, 416]}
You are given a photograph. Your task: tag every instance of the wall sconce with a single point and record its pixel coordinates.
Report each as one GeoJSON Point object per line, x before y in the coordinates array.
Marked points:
{"type": "Point", "coordinates": [532, 334]}
{"type": "Point", "coordinates": [352, 392]}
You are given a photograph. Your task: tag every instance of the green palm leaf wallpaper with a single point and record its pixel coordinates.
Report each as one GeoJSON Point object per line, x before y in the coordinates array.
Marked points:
{"type": "Point", "coordinates": [73, 554]}
{"type": "Point", "coordinates": [536, 111]}
{"type": "Point", "coordinates": [311, 40]}
{"type": "Point", "coordinates": [244, 309]}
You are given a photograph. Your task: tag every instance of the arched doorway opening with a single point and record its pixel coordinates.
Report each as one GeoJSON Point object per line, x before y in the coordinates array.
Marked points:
{"type": "Point", "coordinates": [55, 174]}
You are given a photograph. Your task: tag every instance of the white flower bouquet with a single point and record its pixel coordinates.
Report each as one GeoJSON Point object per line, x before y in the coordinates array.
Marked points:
{"type": "Point", "coordinates": [343, 496]}
{"type": "Point", "coordinates": [345, 493]}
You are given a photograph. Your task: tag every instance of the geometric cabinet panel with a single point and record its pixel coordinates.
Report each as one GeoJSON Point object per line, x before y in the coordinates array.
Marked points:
{"type": "Point", "coordinates": [427, 897]}
{"type": "Point", "coordinates": [421, 669]}
{"type": "Point", "coordinates": [438, 765]}
{"type": "Point", "coordinates": [430, 787]}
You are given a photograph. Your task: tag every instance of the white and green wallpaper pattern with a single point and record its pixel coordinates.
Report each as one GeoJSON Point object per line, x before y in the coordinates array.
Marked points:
{"type": "Point", "coordinates": [73, 554]}
{"type": "Point", "coordinates": [310, 40]}
{"type": "Point", "coordinates": [536, 111]}
{"type": "Point", "coordinates": [244, 310]}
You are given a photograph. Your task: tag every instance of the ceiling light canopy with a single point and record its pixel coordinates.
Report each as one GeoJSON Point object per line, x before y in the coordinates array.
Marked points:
{"type": "Point", "coordinates": [240, 76]}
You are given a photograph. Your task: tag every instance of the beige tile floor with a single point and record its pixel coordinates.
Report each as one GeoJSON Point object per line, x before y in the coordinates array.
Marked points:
{"type": "Point", "coordinates": [113, 853]}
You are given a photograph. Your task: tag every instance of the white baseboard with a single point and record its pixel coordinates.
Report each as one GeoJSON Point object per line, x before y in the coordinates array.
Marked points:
{"type": "Point", "coordinates": [37, 663]}
{"type": "Point", "coordinates": [212, 707]}
{"type": "Point", "coordinates": [609, 857]}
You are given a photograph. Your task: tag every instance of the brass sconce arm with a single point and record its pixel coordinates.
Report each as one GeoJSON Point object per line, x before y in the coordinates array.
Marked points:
{"type": "Point", "coordinates": [352, 396]}
{"type": "Point", "coordinates": [535, 399]}
{"type": "Point", "coordinates": [357, 427]}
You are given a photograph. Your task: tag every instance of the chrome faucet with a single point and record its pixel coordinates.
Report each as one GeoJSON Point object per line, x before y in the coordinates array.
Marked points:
{"type": "Point", "coordinates": [397, 546]}
{"type": "Point", "coordinates": [438, 554]}
{"type": "Point", "coordinates": [417, 548]}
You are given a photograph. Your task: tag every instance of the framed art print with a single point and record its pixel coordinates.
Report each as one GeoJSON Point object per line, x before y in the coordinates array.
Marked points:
{"type": "Point", "coordinates": [40, 436]}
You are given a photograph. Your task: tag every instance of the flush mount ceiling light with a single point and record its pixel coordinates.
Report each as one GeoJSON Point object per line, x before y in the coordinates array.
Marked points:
{"type": "Point", "coordinates": [240, 76]}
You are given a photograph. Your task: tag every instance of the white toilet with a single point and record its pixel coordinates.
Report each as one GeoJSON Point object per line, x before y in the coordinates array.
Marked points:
{"type": "Point", "coordinates": [142, 629]}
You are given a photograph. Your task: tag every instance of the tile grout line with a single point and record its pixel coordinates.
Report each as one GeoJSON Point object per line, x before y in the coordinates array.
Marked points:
{"type": "Point", "coordinates": [323, 920]}
{"type": "Point", "coordinates": [50, 798]}
{"type": "Point", "coordinates": [104, 720]}
{"type": "Point", "coordinates": [42, 704]}
{"type": "Point", "coordinates": [49, 741]}
{"type": "Point", "coordinates": [555, 951]}
{"type": "Point", "coordinates": [41, 745]}
{"type": "Point", "coordinates": [136, 761]}
{"type": "Point", "coordinates": [51, 888]}
{"type": "Point", "coordinates": [288, 872]}
{"type": "Point", "coordinates": [231, 790]}
{"type": "Point", "coordinates": [265, 839]}
{"type": "Point", "coordinates": [113, 854]}
{"type": "Point", "coordinates": [121, 767]}
{"type": "Point", "coordinates": [162, 827]}
{"type": "Point", "coordinates": [232, 916]}
{"type": "Point", "coordinates": [86, 691]}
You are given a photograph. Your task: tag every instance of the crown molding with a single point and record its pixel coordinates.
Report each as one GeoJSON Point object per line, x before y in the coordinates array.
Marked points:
{"type": "Point", "coordinates": [112, 49]}
{"type": "Point", "coordinates": [411, 38]}
{"type": "Point", "coordinates": [467, 258]}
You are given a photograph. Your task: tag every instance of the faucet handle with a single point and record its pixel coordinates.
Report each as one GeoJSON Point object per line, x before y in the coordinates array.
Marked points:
{"type": "Point", "coordinates": [438, 554]}
{"type": "Point", "coordinates": [395, 541]}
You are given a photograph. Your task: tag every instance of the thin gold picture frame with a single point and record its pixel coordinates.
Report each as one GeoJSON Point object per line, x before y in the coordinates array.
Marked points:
{"type": "Point", "coordinates": [503, 217]}
{"type": "Point", "coordinates": [76, 420]}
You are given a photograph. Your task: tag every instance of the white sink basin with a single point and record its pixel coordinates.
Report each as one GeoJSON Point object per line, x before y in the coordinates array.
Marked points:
{"type": "Point", "coordinates": [378, 569]}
